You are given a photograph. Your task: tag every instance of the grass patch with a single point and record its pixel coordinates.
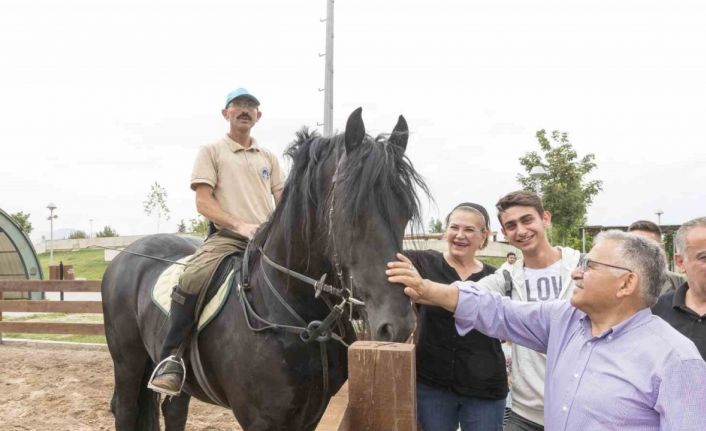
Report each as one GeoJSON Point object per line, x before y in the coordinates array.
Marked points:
{"type": "Point", "coordinates": [492, 261]}
{"type": "Point", "coordinates": [88, 263]}
{"type": "Point", "coordinates": [57, 317]}
{"type": "Point", "coordinates": [97, 339]}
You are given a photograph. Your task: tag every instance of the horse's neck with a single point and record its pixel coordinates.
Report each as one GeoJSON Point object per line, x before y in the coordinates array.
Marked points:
{"type": "Point", "coordinates": [297, 294]}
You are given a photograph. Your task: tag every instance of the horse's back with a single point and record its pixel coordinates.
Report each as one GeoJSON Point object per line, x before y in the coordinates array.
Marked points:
{"type": "Point", "coordinates": [127, 272]}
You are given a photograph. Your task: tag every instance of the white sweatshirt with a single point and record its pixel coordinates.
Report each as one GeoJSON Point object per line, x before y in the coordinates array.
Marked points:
{"type": "Point", "coordinates": [528, 366]}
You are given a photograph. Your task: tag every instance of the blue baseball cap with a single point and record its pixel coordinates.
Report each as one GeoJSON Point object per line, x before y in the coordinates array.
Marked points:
{"type": "Point", "coordinates": [240, 92]}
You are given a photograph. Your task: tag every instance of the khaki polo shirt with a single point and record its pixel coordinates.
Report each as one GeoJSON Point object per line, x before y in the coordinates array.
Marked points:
{"type": "Point", "coordinates": [243, 179]}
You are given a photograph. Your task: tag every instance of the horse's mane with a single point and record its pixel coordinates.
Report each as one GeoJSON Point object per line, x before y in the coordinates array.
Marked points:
{"type": "Point", "coordinates": [375, 164]}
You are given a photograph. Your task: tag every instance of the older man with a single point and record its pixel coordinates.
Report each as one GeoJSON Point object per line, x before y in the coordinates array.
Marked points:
{"type": "Point", "coordinates": [611, 364]}
{"type": "Point", "coordinates": [685, 308]}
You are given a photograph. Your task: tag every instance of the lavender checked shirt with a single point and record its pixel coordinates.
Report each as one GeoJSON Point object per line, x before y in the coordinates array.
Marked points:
{"type": "Point", "coordinates": [639, 375]}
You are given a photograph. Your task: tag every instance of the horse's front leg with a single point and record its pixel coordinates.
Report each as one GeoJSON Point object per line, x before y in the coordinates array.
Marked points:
{"type": "Point", "coordinates": [175, 411]}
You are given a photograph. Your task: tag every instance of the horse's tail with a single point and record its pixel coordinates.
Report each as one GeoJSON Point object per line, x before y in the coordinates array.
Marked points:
{"type": "Point", "coordinates": [148, 403]}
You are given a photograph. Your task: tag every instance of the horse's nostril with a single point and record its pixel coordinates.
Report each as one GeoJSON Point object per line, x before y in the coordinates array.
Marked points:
{"type": "Point", "coordinates": [385, 332]}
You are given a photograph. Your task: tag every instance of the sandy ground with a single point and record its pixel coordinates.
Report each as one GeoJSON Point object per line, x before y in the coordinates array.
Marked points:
{"type": "Point", "coordinates": [66, 389]}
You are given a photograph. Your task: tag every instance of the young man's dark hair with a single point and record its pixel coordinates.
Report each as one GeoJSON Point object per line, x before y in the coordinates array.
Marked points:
{"type": "Point", "coordinates": [510, 254]}
{"type": "Point", "coordinates": [519, 198]}
{"type": "Point", "coordinates": [647, 226]}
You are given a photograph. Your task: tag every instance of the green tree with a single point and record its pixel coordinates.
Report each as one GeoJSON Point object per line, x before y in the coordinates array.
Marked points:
{"type": "Point", "coordinates": [78, 234]}
{"type": "Point", "coordinates": [156, 202]}
{"type": "Point", "coordinates": [435, 226]}
{"type": "Point", "coordinates": [566, 192]}
{"type": "Point", "coordinates": [181, 227]}
{"type": "Point", "coordinates": [22, 221]}
{"type": "Point", "coordinates": [107, 232]}
{"type": "Point", "coordinates": [198, 226]}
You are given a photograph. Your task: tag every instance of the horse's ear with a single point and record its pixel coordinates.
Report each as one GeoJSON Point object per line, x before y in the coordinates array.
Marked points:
{"type": "Point", "coordinates": [400, 134]}
{"type": "Point", "coordinates": [355, 130]}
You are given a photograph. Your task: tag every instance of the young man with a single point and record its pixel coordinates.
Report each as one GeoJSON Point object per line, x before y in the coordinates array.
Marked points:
{"type": "Point", "coordinates": [685, 308]}
{"type": "Point", "coordinates": [650, 230]}
{"type": "Point", "coordinates": [542, 274]}
{"type": "Point", "coordinates": [510, 260]}
{"type": "Point", "coordinates": [235, 181]}
{"type": "Point", "coordinates": [611, 363]}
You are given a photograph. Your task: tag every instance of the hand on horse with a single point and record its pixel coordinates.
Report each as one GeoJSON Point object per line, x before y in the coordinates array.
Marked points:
{"type": "Point", "coordinates": [404, 273]}
{"type": "Point", "coordinates": [421, 290]}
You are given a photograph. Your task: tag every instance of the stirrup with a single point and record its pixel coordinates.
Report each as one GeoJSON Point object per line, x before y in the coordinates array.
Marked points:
{"type": "Point", "coordinates": [164, 362]}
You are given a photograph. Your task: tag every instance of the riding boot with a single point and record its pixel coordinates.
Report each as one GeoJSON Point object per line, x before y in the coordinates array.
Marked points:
{"type": "Point", "coordinates": [169, 375]}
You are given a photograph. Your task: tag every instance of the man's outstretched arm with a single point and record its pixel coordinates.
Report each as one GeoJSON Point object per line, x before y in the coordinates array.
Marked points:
{"type": "Point", "coordinates": [526, 324]}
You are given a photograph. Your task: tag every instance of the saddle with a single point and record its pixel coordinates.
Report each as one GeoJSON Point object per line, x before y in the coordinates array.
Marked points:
{"type": "Point", "coordinates": [219, 287]}
{"type": "Point", "coordinates": [214, 296]}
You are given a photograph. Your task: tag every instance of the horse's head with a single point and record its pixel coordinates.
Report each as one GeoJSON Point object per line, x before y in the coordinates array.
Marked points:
{"type": "Point", "coordinates": [346, 204]}
{"type": "Point", "coordinates": [371, 202]}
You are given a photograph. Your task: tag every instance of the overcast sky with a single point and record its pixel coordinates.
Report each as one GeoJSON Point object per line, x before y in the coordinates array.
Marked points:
{"type": "Point", "coordinates": [99, 99]}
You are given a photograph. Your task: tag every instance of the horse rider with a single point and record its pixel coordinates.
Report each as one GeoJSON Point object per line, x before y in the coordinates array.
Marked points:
{"type": "Point", "coordinates": [235, 180]}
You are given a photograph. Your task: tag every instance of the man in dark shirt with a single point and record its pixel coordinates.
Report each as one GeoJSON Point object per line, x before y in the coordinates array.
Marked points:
{"type": "Point", "coordinates": [650, 230]}
{"type": "Point", "coordinates": [685, 309]}
{"type": "Point", "coordinates": [461, 380]}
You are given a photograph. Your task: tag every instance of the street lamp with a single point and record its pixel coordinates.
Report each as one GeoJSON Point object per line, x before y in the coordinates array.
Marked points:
{"type": "Point", "coordinates": [51, 218]}
{"type": "Point", "coordinates": [659, 217]}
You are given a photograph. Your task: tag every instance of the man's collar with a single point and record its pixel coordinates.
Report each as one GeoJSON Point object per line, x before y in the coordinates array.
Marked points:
{"type": "Point", "coordinates": [638, 319]}
{"type": "Point", "coordinates": [235, 146]}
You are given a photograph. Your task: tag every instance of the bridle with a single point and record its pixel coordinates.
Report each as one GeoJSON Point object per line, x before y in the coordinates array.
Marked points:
{"type": "Point", "coordinates": [316, 330]}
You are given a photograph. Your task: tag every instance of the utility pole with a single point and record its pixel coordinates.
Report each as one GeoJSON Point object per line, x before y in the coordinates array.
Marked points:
{"type": "Point", "coordinates": [328, 72]}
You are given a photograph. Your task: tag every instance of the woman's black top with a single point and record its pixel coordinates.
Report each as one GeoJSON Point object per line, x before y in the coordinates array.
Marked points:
{"type": "Point", "coordinates": [472, 365]}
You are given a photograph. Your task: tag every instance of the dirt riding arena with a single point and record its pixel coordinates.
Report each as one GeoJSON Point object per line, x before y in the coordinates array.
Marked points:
{"type": "Point", "coordinates": [55, 389]}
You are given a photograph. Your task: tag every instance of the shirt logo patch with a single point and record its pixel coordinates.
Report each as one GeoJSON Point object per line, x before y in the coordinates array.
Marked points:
{"type": "Point", "coordinates": [265, 173]}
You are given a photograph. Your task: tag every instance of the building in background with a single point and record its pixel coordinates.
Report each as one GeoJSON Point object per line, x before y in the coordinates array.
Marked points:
{"type": "Point", "coordinates": [18, 259]}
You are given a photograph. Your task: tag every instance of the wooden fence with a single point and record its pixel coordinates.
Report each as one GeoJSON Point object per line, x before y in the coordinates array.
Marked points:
{"type": "Point", "coordinates": [44, 306]}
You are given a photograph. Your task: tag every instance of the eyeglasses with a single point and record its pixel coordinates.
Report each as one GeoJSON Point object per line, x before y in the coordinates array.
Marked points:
{"type": "Point", "coordinates": [244, 103]}
{"type": "Point", "coordinates": [585, 264]}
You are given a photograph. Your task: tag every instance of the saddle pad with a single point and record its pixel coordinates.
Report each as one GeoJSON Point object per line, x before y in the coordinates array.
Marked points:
{"type": "Point", "coordinates": [162, 293]}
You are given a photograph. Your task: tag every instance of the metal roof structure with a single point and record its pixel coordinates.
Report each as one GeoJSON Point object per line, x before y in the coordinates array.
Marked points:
{"type": "Point", "coordinates": [18, 260]}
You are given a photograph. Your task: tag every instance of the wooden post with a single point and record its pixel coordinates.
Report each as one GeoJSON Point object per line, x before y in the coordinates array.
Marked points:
{"type": "Point", "coordinates": [381, 386]}
{"type": "Point", "coordinates": [61, 277]}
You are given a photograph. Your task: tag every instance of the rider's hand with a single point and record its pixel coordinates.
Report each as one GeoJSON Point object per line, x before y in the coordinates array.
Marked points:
{"type": "Point", "coordinates": [246, 229]}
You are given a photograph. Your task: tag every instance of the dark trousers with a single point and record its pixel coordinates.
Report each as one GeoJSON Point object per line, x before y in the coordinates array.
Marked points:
{"type": "Point", "coordinates": [516, 422]}
{"type": "Point", "coordinates": [443, 410]}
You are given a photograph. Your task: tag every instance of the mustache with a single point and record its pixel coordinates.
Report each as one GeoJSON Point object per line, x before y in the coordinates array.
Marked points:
{"type": "Point", "coordinates": [245, 115]}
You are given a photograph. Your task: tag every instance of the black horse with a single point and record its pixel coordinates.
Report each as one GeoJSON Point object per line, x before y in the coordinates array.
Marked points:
{"type": "Point", "coordinates": [343, 213]}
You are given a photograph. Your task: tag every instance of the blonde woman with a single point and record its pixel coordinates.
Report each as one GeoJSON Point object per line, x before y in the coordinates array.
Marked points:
{"type": "Point", "coordinates": [461, 380]}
